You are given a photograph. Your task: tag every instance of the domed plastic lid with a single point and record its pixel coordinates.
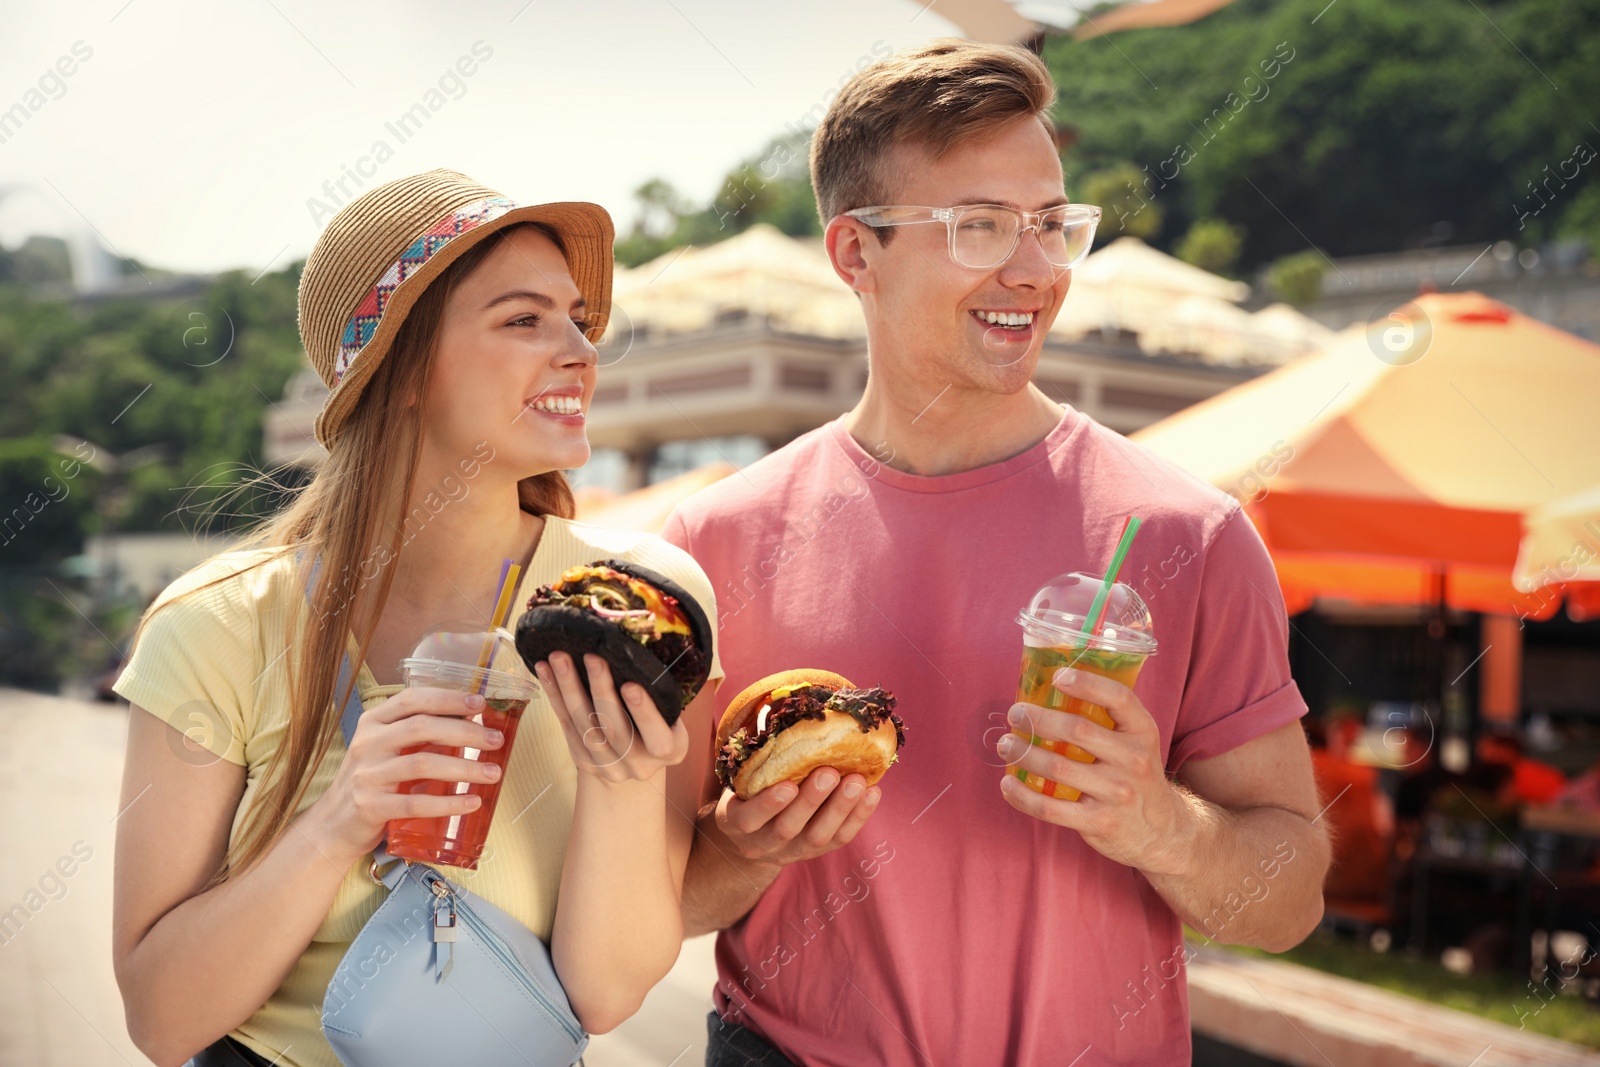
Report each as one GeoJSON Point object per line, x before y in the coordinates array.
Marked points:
{"type": "Point", "coordinates": [1059, 613]}
{"type": "Point", "coordinates": [467, 652]}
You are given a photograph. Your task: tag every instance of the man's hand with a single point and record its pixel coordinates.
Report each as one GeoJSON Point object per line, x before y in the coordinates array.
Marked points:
{"type": "Point", "coordinates": [791, 821]}
{"type": "Point", "coordinates": [744, 844]}
{"type": "Point", "coordinates": [1129, 812]}
{"type": "Point", "coordinates": [1247, 815]}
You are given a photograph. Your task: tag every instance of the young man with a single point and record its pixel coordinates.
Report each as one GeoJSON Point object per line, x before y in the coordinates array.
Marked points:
{"type": "Point", "coordinates": [950, 915]}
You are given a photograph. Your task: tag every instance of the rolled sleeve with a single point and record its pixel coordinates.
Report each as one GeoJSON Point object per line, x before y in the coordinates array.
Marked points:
{"type": "Point", "coordinates": [1238, 686]}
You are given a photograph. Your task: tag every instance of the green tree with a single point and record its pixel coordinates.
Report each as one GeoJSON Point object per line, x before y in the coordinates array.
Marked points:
{"type": "Point", "coordinates": [772, 186]}
{"type": "Point", "coordinates": [38, 259]}
{"type": "Point", "coordinates": [660, 207]}
{"type": "Point", "coordinates": [48, 497]}
{"type": "Point", "coordinates": [1212, 244]}
{"type": "Point", "coordinates": [48, 500]}
{"type": "Point", "coordinates": [193, 374]}
{"type": "Point", "coordinates": [1582, 217]}
{"type": "Point", "coordinates": [182, 379]}
{"type": "Point", "coordinates": [1128, 206]}
{"type": "Point", "coordinates": [1379, 126]}
{"type": "Point", "coordinates": [1297, 278]}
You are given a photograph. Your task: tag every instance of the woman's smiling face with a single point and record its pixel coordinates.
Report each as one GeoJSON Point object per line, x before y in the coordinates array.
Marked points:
{"type": "Point", "coordinates": [512, 366]}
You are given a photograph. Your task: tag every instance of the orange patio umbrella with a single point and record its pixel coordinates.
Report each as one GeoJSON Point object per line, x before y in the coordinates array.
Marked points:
{"type": "Point", "coordinates": [1396, 465]}
{"type": "Point", "coordinates": [1560, 552]}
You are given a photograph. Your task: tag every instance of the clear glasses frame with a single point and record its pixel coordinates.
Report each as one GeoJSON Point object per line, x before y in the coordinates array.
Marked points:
{"type": "Point", "coordinates": [1077, 224]}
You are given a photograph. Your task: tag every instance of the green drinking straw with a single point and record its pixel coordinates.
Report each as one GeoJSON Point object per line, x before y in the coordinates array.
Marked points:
{"type": "Point", "coordinates": [1130, 527]}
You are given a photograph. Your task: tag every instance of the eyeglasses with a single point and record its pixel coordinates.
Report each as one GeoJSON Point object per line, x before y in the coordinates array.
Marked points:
{"type": "Point", "coordinates": [983, 236]}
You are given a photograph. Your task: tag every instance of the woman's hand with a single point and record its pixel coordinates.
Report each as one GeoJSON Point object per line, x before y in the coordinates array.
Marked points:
{"type": "Point", "coordinates": [602, 737]}
{"type": "Point", "coordinates": [364, 795]}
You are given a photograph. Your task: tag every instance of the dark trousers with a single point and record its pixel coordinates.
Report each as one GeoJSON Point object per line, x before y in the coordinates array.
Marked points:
{"type": "Point", "coordinates": [732, 1045]}
{"type": "Point", "coordinates": [226, 1052]}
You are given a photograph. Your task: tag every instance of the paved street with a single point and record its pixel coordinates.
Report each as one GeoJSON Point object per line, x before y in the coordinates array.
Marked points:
{"type": "Point", "coordinates": [60, 770]}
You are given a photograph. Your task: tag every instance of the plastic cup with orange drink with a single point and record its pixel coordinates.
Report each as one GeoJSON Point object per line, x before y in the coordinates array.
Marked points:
{"type": "Point", "coordinates": [1089, 623]}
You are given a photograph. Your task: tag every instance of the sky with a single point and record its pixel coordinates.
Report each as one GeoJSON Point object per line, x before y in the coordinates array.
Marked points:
{"type": "Point", "coordinates": [204, 137]}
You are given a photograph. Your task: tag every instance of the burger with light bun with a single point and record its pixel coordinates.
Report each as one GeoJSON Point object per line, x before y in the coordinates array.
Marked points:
{"type": "Point", "coordinates": [788, 724]}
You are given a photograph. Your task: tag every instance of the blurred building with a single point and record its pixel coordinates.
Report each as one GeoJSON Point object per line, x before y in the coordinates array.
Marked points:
{"type": "Point", "coordinates": [288, 427]}
{"type": "Point", "coordinates": [140, 565]}
{"type": "Point", "coordinates": [725, 352]}
{"type": "Point", "coordinates": [1558, 283]}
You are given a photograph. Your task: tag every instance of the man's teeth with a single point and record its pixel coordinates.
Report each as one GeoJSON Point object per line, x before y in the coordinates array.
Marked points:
{"type": "Point", "coordinates": [1005, 318]}
{"type": "Point", "coordinates": [558, 405]}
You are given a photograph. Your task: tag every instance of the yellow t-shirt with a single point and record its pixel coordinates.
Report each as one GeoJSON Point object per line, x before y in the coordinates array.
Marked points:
{"type": "Point", "coordinates": [212, 666]}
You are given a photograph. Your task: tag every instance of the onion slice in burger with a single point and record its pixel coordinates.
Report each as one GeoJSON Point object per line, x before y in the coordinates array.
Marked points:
{"type": "Point", "coordinates": [618, 613]}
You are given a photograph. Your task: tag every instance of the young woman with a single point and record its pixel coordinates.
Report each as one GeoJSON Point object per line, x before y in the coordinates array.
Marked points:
{"type": "Point", "coordinates": [454, 329]}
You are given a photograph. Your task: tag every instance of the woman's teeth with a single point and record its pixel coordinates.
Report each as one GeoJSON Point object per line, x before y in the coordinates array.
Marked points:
{"type": "Point", "coordinates": [558, 405]}
{"type": "Point", "coordinates": [1012, 319]}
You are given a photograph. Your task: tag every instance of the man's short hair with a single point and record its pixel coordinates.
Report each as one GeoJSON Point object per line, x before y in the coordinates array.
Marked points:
{"type": "Point", "coordinates": [935, 97]}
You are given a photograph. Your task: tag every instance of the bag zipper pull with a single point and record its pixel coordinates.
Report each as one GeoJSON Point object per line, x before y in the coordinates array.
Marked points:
{"type": "Point", "coordinates": [444, 932]}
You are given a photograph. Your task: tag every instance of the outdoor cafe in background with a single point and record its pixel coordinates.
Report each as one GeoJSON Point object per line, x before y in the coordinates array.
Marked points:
{"type": "Point", "coordinates": [1428, 487]}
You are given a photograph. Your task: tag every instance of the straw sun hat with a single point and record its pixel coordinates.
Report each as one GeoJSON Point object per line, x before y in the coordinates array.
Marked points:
{"type": "Point", "coordinates": [381, 250]}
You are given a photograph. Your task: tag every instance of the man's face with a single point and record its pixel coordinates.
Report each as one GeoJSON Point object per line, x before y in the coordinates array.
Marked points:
{"type": "Point", "coordinates": [927, 313]}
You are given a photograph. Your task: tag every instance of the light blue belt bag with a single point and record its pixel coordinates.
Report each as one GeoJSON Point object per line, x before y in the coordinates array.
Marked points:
{"type": "Point", "coordinates": [438, 975]}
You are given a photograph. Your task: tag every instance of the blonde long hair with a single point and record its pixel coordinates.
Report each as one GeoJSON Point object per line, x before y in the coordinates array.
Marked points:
{"type": "Point", "coordinates": [354, 512]}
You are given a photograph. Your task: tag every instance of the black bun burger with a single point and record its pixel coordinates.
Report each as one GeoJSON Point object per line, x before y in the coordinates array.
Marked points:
{"type": "Point", "coordinates": [643, 624]}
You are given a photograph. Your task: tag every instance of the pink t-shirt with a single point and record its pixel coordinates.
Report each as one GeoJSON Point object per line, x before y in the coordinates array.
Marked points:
{"type": "Point", "coordinates": [955, 929]}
